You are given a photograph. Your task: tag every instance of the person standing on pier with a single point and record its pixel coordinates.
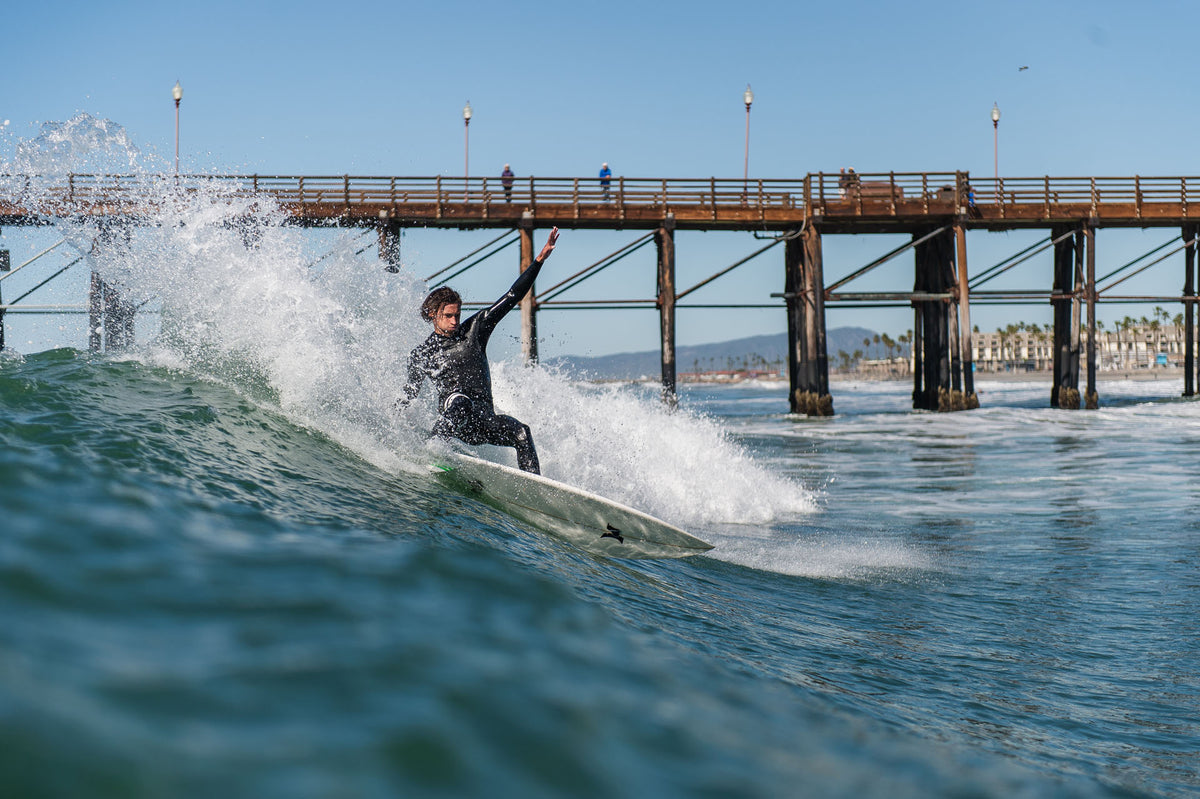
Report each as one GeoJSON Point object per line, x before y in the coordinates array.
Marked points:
{"type": "Point", "coordinates": [506, 179]}
{"type": "Point", "coordinates": [454, 358]}
{"type": "Point", "coordinates": [605, 179]}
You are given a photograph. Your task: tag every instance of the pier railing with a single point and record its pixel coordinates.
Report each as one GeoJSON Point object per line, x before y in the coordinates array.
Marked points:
{"type": "Point", "coordinates": [896, 198]}
{"type": "Point", "coordinates": [439, 197]}
{"type": "Point", "coordinates": [1120, 200]}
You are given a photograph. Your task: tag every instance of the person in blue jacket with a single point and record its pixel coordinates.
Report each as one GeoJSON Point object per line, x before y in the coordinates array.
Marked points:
{"type": "Point", "coordinates": [605, 179]}
{"type": "Point", "coordinates": [454, 358]}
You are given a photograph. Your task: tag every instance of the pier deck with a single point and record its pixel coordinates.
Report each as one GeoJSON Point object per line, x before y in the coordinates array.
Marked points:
{"type": "Point", "coordinates": [869, 203]}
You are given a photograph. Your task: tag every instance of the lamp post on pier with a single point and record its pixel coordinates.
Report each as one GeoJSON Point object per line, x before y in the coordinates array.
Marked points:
{"type": "Point", "coordinates": [747, 98]}
{"type": "Point", "coordinates": [177, 93]}
{"type": "Point", "coordinates": [996, 141]}
{"type": "Point", "coordinates": [466, 144]}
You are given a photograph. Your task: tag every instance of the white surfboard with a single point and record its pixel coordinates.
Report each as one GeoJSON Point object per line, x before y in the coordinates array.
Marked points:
{"type": "Point", "coordinates": [587, 520]}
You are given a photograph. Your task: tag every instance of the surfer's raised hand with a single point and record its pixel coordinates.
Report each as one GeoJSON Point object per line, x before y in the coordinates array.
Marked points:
{"type": "Point", "coordinates": [549, 248]}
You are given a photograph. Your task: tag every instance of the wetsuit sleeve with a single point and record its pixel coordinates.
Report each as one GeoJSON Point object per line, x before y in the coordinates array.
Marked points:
{"type": "Point", "coordinates": [416, 376]}
{"type": "Point", "coordinates": [490, 317]}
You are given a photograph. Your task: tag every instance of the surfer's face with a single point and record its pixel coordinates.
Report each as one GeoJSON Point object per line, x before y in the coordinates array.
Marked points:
{"type": "Point", "coordinates": [445, 321]}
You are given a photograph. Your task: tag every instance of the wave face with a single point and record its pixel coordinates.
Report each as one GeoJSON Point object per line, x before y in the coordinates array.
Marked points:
{"type": "Point", "coordinates": [199, 593]}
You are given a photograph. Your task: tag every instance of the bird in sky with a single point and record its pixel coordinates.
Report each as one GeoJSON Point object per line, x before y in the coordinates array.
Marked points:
{"type": "Point", "coordinates": [1022, 69]}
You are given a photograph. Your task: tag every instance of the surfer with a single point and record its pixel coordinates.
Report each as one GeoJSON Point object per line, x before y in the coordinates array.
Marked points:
{"type": "Point", "coordinates": [454, 358]}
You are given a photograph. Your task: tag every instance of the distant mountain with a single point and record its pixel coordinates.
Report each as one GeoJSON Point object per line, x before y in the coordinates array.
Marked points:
{"type": "Point", "coordinates": [734, 354]}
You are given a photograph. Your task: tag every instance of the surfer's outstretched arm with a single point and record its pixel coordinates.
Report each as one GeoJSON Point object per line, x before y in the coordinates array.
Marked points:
{"type": "Point", "coordinates": [490, 317]}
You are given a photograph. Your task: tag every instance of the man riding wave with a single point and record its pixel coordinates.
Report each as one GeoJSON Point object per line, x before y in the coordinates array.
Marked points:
{"type": "Point", "coordinates": [454, 359]}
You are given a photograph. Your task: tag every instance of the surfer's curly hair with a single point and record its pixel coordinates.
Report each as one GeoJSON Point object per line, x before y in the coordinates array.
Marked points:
{"type": "Point", "coordinates": [436, 299]}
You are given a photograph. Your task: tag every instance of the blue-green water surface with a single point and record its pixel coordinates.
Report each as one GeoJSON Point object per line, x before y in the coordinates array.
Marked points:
{"type": "Point", "coordinates": [204, 595]}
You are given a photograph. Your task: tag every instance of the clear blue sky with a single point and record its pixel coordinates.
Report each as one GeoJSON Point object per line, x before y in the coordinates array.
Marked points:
{"type": "Point", "coordinates": [655, 89]}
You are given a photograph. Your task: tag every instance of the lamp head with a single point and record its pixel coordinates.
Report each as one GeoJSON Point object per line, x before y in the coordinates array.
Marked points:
{"type": "Point", "coordinates": [177, 92]}
{"type": "Point", "coordinates": [748, 97]}
{"type": "Point", "coordinates": [467, 112]}
{"type": "Point", "coordinates": [995, 113]}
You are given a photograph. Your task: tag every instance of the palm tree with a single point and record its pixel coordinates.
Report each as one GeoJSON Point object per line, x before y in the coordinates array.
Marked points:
{"type": "Point", "coordinates": [1127, 325]}
{"type": "Point", "coordinates": [1012, 331]}
{"type": "Point", "coordinates": [1039, 337]}
{"type": "Point", "coordinates": [1177, 332]}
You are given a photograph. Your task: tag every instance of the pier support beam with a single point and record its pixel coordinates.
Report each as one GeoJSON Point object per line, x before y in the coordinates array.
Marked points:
{"type": "Point", "coordinates": [110, 314]}
{"type": "Point", "coordinates": [934, 323]}
{"type": "Point", "coordinates": [664, 239]}
{"type": "Point", "coordinates": [389, 245]}
{"type": "Point", "coordinates": [1068, 258]}
{"type": "Point", "coordinates": [96, 314]}
{"type": "Point", "coordinates": [804, 292]}
{"type": "Point", "coordinates": [529, 347]}
{"type": "Point", "coordinates": [5, 265]}
{"type": "Point", "coordinates": [970, 398]}
{"type": "Point", "coordinates": [1190, 232]}
{"type": "Point", "coordinates": [1091, 397]}
{"type": "Point", "coordinates": [110, 317]}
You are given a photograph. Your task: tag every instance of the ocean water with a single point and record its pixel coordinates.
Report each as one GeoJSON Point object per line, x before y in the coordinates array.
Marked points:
{"type": "Point", "coordinates": [201, 594]}
{"type": "Point", "coordinates": [225, 569]}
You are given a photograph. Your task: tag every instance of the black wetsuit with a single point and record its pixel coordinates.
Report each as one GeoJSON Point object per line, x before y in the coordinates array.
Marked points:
{"type": "Point", "coordinates": [458, 367]}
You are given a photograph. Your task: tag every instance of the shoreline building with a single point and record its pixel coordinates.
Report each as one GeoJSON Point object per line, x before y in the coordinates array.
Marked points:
{"type": "Point", "coordinates": [1030, 348]}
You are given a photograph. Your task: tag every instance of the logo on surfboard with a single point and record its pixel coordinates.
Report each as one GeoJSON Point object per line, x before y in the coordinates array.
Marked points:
{"type": "Point", "coordinates": [613, 533]}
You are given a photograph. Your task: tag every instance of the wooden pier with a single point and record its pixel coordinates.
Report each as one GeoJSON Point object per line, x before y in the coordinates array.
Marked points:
{"type": "Point", "coordinates": [936, 209]}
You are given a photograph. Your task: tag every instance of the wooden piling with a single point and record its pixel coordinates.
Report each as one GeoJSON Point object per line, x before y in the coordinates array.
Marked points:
{"type": "Point", "coordinates": [793, 298]}
{"type": "Point", "coordinates": [1064, 392]}
{"type": "Point", "coordinates": [664, 239]}
{"type": "Point", "coordinates": [1189, 233]}
{"type": "Point", "coordinates": [529, 345]}
{"type": "Point", "coordinates": [955, 358]}
{"type": "Point", "coordinates": [970, 398]}
{"type": "Point", "coordinates": [95, 314]}
{"type": "Point", "coordinates": [5, 266]}
{"type": "Point", "coordinates": [814, 272]}
{"type": "Point", "coordinates": [1092, 395]}
{"type": "Point", "coordinates": [918, 351]}
{"type": "Point", "coordinates": [935, 274]}
{"type": "Point", "coordinates": [389, 245]}
{"type": "Point", "coordinates": [804, 294]}
{"type": "Point", "coordinates": [110, 314]}
{"type": "Point", "coordinates": [118, 319]}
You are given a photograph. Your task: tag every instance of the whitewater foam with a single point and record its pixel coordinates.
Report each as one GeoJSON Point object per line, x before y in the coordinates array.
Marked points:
{"type": "Point", "coordinates": [241, 302]}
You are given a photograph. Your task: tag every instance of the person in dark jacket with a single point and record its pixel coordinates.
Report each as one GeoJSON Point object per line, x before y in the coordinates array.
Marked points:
{"type": "Point", "coordinates": [454, 359]}
{"type": "Point", "coordinates": [506, 180]}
